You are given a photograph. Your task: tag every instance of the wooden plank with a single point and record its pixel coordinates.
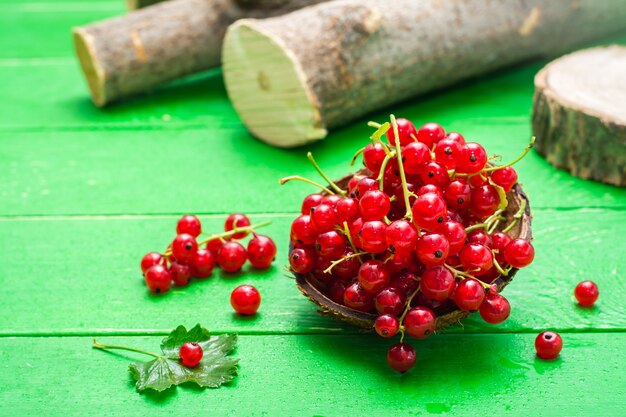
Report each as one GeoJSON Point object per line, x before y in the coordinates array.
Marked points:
{"type": "Point", "coordinates": [81, 276]}
{"type": "Point", "coordinates": [328, 375]}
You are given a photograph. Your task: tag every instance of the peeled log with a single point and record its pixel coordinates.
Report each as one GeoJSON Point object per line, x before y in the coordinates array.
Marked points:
{"type": "Point", "coordinates": [291, 78]}
{"type": "Point", "coordinates": [132, 54]}
{"type": "Point", "coordinates": [579, 114]}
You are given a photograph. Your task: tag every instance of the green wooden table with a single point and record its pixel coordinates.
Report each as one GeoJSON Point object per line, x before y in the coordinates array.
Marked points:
{"type": "Point", "coordinates": [84, 193]}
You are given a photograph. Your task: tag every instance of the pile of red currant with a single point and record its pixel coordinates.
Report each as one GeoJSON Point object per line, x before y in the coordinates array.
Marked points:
{"type": "Point", "coordinates": [419, 232]}
{"type": "Point", "coordinates": [187, 257]}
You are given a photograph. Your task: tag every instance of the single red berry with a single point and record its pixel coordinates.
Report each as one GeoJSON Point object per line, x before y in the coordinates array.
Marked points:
{"type": "Point", "coordinates": [180, 274]}
{"type": "Point", "coordinates": [495, 309]}
{"type": "Point", "coordinates": [232, 256]}
{"type": "Point", "coordinates": [519, 253]}
{"type": "Point", "coordinates": [437, 283]}
{"type": "Point", "coordinates": [401, 236]}
{"type": "Point", "coordinates": [499, 242]}
{"type": "Point", "coordinates": [245, 299]}
{"type": "Point", "coordinates": [356, 298]}
{"type": "Point", "coordinates": [302, 260]}
{"type": "Point", "coordinates": [330, 245]}
{"type": "Point", "coordinates": [480, 236]}
{"type": "Point", "coordinates": [484, 200]}
{"type": "Point", "coordinates": [456, 137]}
{"type": "Point", "coordinates": [373, 156]}
{"type": "Point", "coordinates": [331, 200]}
{"type": "Point", "coordinates": [505, 177]}
{"type": "Point", "coordinates": [446, 152]}
{"type": "Point", "coordinates": [184, 247]}
{"type": "Point", "coordinates": [469, 294]}
{"type": "Point", "coordinates": [372, 236]}
{"type": "Point", "coordinates": [373, 276]}
{"type": "Point", "coordinates": [319, 272]}
{"type": "Point", "coordinates": [399, 261]}
{"type": "Point", "coordinates": [323, 218]}
{"type": "Point", "coordinates": [150, 259]}
{"type": "Point", "coordinates": [472, 158]}
{"type": "Point", "coordinates": [374, 205]}
{"type": "Point", "coordinates": [414, 156]}
{"type": "Point", "coordinates": [429, 188]}
{"type": "Point", "coordinates": [430, 133]}
{"type": "Point", "coordinates": [347, 210]}
{"type": "Point", "coordinates": [476, 258]}
{"type": "Point", "coordinates": [401, 357]}
{"type": "Point", "coordinates": [202, 264]}
{"type": "Point", "coordinates": [336, 290]}
{"type": "Point", "coordinates": [436, 174]}
{"type": "Point", "coordinates": [420, 322]}
{"type": "Point", "coordinates": [237, 220]}
{"type": "Point", "coordinates": [158, 279]}
{"type": "Point", "coordinates": [548, 345]}
{"type": "Point", "coordinates": [586, 293]}
{"type": "Point", "coordinates": [386, 325]}
{"type": "Point", "coordinates": [365, 185]}
{"type": "Point", "coordinates": [355, 229]}
{"type": "Point", "coordinates": [406, 131]}
{"type": "Point", "coordinates": [261, 251]}
{"type": "Point", "coordinates": [189, 224]}
{"type": "Point", "coordinates": [348, 268]}
{"type": "Point", "coordinates": [390, 300]}
{"type": "Point", "coordinates": [302, 231]}
{"type": "Point", "coordinates": [310, 201]}
{"type": "Point", "coordinates": [458, 194]}
{"type": "Point", "coordinates": [432, 249]}
{"type": "Point", "coordinates": [214, 246]}
{"type": "Point", "coordinates": [455, 234]}
{"type": "Point", "coordinates": [190, 354]}
{"type": "Point", "coordinates": [353, 182]}
{"type": "Point", "coordinates": [406, 282]}
{"type": "Point", "coordinates": [429, 211]}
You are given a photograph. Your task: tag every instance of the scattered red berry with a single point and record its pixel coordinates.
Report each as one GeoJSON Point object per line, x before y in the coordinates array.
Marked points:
{"type": "Point", "coordinates": [261, 251]}
{"type": "Point", "coordinates": [184, 247]}
{"type": "Point", "coordinates": [150, 259]}
{"type": "Point", "coordinates": [495, 309]}
{"type": "Point", "coordinates": [519, 253]}
{"type": "Point", "coordinates": [245, 299]}
{"type": "Point", "coordinates": [231, 256]}
{"type": "Point", "coordinates": [401, 357]}
{"type": "Point", "coordinates": [202, 264]}
{"type": "Point", "coordinates": [387, 325]}
{"type": "Point", "coordinates": [586, 293]}
{"type": "Point", "coordinates": [189, 224]}
{"type": "Point", "coordinates": [237, 220]}
{"type": "Point", "coordinates": [180, 273]}
{"type": "Point", "coordinates": [190, 354]}
{"type": "Point", "coordinates": [158, 279]}
{"type": "Point", "coordinates": [548, 345]}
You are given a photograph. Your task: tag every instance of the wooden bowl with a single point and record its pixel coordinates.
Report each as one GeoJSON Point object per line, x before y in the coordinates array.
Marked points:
{"type": "Point", "coordinates": [446, 316]}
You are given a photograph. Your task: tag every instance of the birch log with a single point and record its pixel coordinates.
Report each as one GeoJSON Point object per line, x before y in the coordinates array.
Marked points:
{"type": "Point", "coordinates": [132, 54]}
{"type": "Point", "coordinates": [291, 78]}
{"type": "Point", "coordinates": [579, 113]}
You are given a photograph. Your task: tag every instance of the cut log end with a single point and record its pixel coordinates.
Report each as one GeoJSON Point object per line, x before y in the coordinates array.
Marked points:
{"type": "Point", "coordinates": [94, 73]}
{"type": "Point", "coordinates": [268, 88]}
{"type": "Point", "coordinates": [579, 114]}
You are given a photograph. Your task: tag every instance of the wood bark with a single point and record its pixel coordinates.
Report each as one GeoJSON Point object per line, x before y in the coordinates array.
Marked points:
{"type": "Point", "coordinates": [337, 61]}
{"type": "Point", "coordinates": [132, 54]}
{"type": "Point", "coordinates": [579, 114]}
{"type": "Point", "coordinates": [138, 4]}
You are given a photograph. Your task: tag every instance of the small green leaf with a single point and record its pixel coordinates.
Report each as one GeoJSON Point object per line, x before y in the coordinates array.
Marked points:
{"type": "Point", "coordinates": [156, 374]}
{"type": "Point", "coordinates": [504, 202]}
{"type": "Point", "coordinates": [172, 343]}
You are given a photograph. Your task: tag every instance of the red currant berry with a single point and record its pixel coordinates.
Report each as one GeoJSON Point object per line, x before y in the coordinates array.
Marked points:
{"type": "Point", "coordinates": [387, 325]}
{"type": "Point", "coordinates": [310, 201]}
{"type": "Point", "coordinates": [302, 260]}
{"type": "Point", "coordinates": [390, 300]}
{"type": "Point", "coordinates": [184, 247]}
{"type": "Point", "coordinates": [399, 261]}
{"type": "Point", "coordinates": [323, 218]}
{"type": "Point", "coordinates": [401, 357]}
{"type": "Point", "coordinates": [355, 229]}
{"type": "Point", "coordinates": [239, 221]}
{"type": "Point", "coordinates": [356, 298]}
{"type": "Point", "coordinates": [331, 200]}
{"type": "Point", "coordinates": [365, 185]}
{"type": "Point", "coordinates": [374, 205]}
{"type": "Point", "coordinates": [437, 283]}
{"type": "Point", "coordinates": [446, 152]}
{"type": "Point", "coordinates": [372, 236]}
{"type": "Point", "coordinates": [261, 251]}
{"type": "Point", "coordinates": [458, 194]}
{"type": "Point", "coordinates": [414, 156]}
{"type": "Point", "coordinates": [401, 236]}
{"type": "Point", "coordinates": [353, 182]}
{"type": "Point", "coordinates": [180, 274]}
{"type": "Point", "coordinates": [336, 290]}
{"type": "Point", "coordinates": [586, 293]}
{"type": "Point", "coordinates": [348, 268]}
{"type": "Point", "coordinates": [484, 200]}
{"type": "Point", "coordinates": [347, 210]}
{"type": "Point", "coordinates": [202, 264]}
{"type": "Point", "coordinates": [214, 246]}
{"type": "Point", "coordinates": [476, 258]}
{"type": "Point", "coordinates": [432, 249]}
{"type": "Point", "coordinates": [406, 282]}
{"type": "Point", "coordinates": [429, 188]}
{"type": "Point", "coordinates": [232, 256]}
{"type": "Point", "coordinates": [373, 156]}
{"type": "Point", "coordinates": [436, 174]}
{"type": "Point", "coordinates": [302, 231]}
{"type": "Point", "coordinates": [505, 177]}
{"type": "Point", "coordinates": [319, 272]}
{"type": "Point", "coordinates": [429, 211]}
{"type": "Point", "coordinates": [430, 133]}
{"type": "Point", "coordinates": [548, 345]}
{"type": "Point", "coordinates": [454, 232]}
{"type": "Point", "coordinates": [519, 253]}
{"type": "Point", "coordinates": [456, 137]}
{"type": "Point", "coordinates": [150, 259]}
{"type": "Point", "coordinates": [495, 309]}
{"type": "Point", "coordinates": [245, 299]}
{"type": "Point", "coordinates": [190, 354]}
{"type": "Point", "coordinates": [472, 158]}
{"type": "Point", "coordinates": [189, 224]}
{"type": "Point", "coordinates": [420, 322]}
{"type": "Point", "coordinates": [480, 236]}
{"type": "Point", "coordinates": [158, 279]}
{"type": "Point", "coordinates": [469, 294]}
{"type": "Point", "coordinates": [406, 131]}
{"type": "Point", "coordinates": [330, 245]}
{"type": "Point", "coordinates": [373, 276]}
{"type": "Point", "coordinates": [499, 241]}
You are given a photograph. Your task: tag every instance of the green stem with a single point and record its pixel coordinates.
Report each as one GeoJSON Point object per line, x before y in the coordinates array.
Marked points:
{"type": "Point", "coordinates": [346, 232]}
{"type": "Point", "coordinates": [328, 180]}
{"type": "Point", "coordinates": [519, 158]}
{"type": "Point", "coordinates": [405, 190]}
{"type": "Point", "coordinates": [374, 124]}
{"type": "Point", "coordinates": [338, 261]}
{"type": "Point", "coordinates": [356, 155]}
{"type": "Point", "coordinates": [226, 234]}
{"type": "Point", "coordinates": [381, 174]}
{"type": "Point", "coordinates": [308, 181]}
{"type": "Point", "coordinates": [497, 265]}
{"type": "Point", "coordinates": [406, 310]}
{"type": "Point", "coordinates": [97, 345]}
{"type": "Point", "coordinates": [518, 215]}
{"type": "Point", "coordinates": [464, 275]}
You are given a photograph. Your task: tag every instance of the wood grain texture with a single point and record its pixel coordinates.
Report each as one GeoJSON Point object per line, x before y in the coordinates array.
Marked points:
{"type": "Point", "coordinates": [336, 375]}
{"type": "Point", "coordinates": [85, 278]}
{"type": "Point", "coordinates": [579, 112]}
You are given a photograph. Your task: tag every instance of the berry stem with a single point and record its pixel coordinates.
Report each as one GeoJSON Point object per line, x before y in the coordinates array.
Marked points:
{"type": "Point", "coordinates": [497, 265]}
{"type": "Point", "coordinates": [518, 215]}
{"type": "Point", "coordinates": [405, 190]}
{"type": "Point", "coordinates": [97, 345]}
{"type": "Point", "coordinates": [465, 275]}
{"type": "Point", "coordinates": [381, 174]}
{"type": "Point", "coordinates": [519, 158]}
{"type": "Point", "coordinates": [346, 232]}
{"type": "Point", "coordinates": [338, 261]}
{"type": "Point", "coordinates": [374, 124]}
{"type": "Point", "coordinates": [406, 310]}
{"type": "Point", "coordinates": [487, 223]}
{"type": "Point", "coordinates": [319, 170]}
{"type": "Point", "coordinates": [356, 155]}
{"type": "Point", "coordinates": [308, 181]}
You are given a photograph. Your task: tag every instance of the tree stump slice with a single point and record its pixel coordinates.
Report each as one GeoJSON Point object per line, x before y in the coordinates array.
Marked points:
{"type": "Point", "coordinates": [579, 114]}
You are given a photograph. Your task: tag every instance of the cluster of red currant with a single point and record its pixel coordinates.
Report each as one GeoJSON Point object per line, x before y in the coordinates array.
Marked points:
{"type": "Point", "coordinates": [415, 233]}
{"type": "Point", "coordinates": [185, 257]}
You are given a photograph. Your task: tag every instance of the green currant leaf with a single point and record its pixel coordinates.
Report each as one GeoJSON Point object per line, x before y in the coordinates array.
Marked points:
{"type": "Point", "coordinates": [172, 343]}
